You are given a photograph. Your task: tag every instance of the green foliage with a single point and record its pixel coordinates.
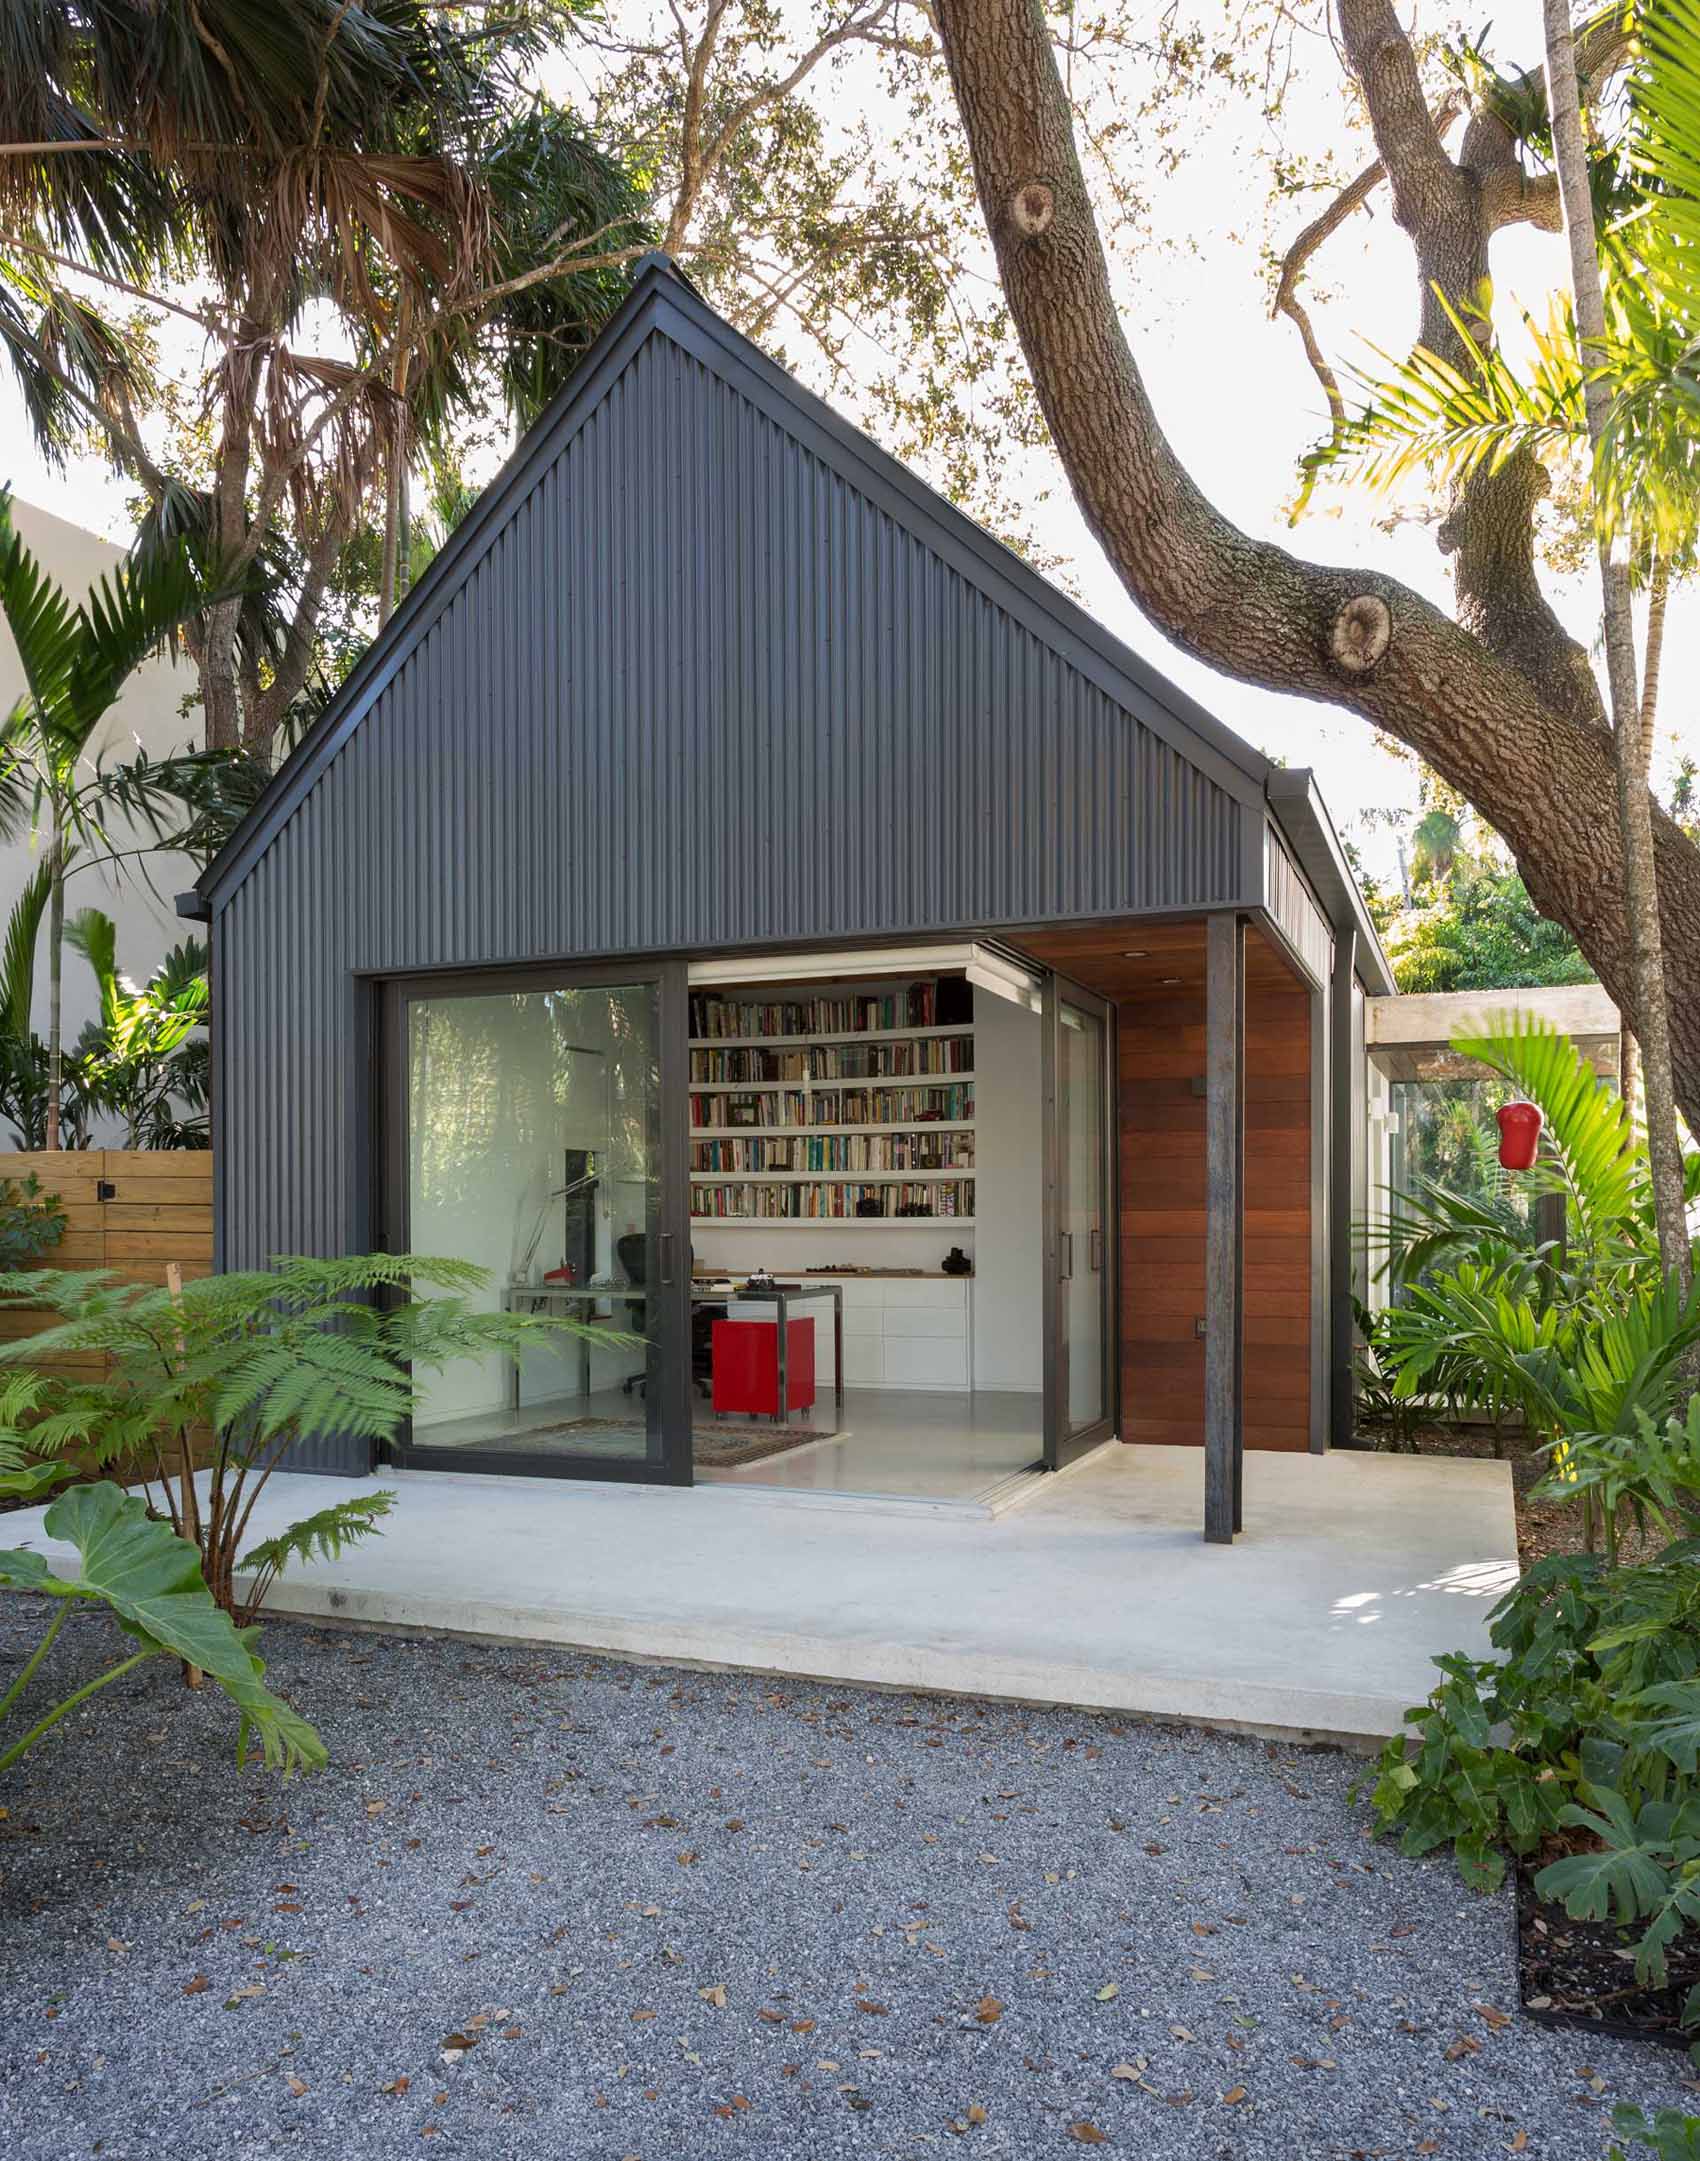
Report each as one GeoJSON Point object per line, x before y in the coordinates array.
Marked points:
{"type": "Point", "coordinates": [1671, 2135]}
{"type": "Point", "coordinates": [1589, 1151]}
{"type": "Point", "coordinates": [1644, 1869]}
{"type": "Point", "coordinates": [324, 1535]}
{"type": "Point", "coordinates": [1588, 1344]}
{"type": "Point", "coordinates": [1475, 928]}
{"type": "Point", "coordinates": [31, 1222]}
{"type": "Point", "coordinates": [145, 1061]}
{"type": "Point", "coordinates": [260, 1359]}
{"type": "Point", "coordinates": [150, 1580]}
{"type": "Point", "coordinates": [1588, 1720]}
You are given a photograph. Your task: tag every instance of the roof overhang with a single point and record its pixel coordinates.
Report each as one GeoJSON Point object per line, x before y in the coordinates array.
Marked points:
{"type": "Point", "coordinates": [1301, 818]}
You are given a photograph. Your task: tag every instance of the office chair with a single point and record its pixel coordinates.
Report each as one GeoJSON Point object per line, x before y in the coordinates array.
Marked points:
{"type": "Point", "coordinates": [633, 1253]}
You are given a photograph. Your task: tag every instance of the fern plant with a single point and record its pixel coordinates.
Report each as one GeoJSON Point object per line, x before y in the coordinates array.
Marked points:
{"type": "Point", "coordinates": [255, 1360]}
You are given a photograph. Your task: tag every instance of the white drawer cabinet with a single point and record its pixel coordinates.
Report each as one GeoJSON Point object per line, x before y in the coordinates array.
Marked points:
{"type": "Point", "coordinates": [899, 1331]}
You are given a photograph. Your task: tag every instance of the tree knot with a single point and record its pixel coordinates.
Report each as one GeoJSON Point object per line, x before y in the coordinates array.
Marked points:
{"type": "Point", "coordinates": [1361, 633]}
{"type": "Point", "coordinates": [1032, 208]}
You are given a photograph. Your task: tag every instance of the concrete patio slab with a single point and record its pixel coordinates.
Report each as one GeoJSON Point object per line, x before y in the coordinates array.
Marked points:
{"type": "Point", "coordinates": [1353, 1572]}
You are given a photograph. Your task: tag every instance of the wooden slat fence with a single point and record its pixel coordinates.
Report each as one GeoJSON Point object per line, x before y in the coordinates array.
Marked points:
{"type": "Point", "coordinates": [133, 1211]}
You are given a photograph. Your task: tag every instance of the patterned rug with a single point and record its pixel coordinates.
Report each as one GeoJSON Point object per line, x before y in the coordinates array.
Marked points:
{"type": "Point", "coordinates": [717, 1445]}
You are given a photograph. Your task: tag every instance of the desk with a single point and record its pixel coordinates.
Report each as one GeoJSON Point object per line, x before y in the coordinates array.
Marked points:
{"type": "Point", "coordinates": [784, 1296]}
{"type": "Point", "coordinates": [540, 1297]}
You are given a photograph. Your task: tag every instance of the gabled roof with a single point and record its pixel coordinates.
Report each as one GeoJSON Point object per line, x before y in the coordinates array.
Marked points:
{"type": "Point", "coordinates": [662, 299]}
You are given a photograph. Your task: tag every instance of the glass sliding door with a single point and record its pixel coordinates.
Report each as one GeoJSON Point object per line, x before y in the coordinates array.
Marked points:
{"type": "Point", "coordinates": [1080, 1245]}
{"type": "Point", "coordinates": [536, 1129]}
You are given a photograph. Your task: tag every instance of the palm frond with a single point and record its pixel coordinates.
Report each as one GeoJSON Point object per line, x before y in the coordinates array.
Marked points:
{"type": "Point", "coordinates": [1588, 1129]}
{"type": "Point", "coordinates": [17, 958]}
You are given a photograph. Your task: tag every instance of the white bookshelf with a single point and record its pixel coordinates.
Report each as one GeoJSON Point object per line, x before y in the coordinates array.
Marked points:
{"type": "Point", "coordinates": [811, 1088]}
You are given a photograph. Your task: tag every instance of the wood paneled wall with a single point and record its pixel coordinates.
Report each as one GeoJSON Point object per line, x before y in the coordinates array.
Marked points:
{"type": "Point", "coordinates": [160, 1211]}
{"type": "Point", "coordinates": [1161, 1055]}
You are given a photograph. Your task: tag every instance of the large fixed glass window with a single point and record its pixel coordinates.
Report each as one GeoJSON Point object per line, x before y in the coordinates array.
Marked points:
{"type": "Point", "coordinates": [532, 1125]}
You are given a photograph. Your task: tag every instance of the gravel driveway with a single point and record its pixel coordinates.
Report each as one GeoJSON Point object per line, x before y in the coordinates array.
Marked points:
{"type": "Point", "coordinates": [555, 1907]}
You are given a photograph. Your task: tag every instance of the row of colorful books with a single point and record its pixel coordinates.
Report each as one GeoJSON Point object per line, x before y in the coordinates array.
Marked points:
{"type": "Point", "coordinates": [759, 1203]}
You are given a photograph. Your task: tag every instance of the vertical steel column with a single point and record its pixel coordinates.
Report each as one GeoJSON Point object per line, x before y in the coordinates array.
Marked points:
{"type": "Point", "coordinates": [1224, 1226]}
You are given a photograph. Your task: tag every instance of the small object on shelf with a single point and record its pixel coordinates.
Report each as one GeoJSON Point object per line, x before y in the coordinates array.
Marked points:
{"type": "Point", "coordinates": [868, 1206]}
{"type": "Point", "coordinates": [758, 1282]}
{"type": "Point", "coordinates": [563, 1274]}
{"type": "Point", "coordinates": [956, 1263]}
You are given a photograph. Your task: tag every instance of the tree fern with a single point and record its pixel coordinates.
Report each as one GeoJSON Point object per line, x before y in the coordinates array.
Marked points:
{"type": "Point", "coordinates": [258, 1359]}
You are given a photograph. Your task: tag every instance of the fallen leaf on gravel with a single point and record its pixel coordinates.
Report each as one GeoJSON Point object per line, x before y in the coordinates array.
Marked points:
{"type": "Point", "coordinates": [1088, 2134]}
{"type": "Point", "coordinates": [1233, 2097]}
{"type": "Point", "coordinates": [194, 1987]}
{"type": "Point", "coordinates": [874, 2010]}
{"type": "Point", "coordinates": [771, 2018]}
{"type": "Point", "coordinates": [1109, 1992]}
{"type": "Point", "coordinates": [298, 2086]}
{"type": "Point", "coordinates": [802, 2025]}
{"type": "Point", "coordinates": [374, 1808]}
{"type": "Point", "coordinates": [976, 2114]}
{"type": "Point", "coordinates": [1129, 2071]}
{"type": "Point", "coordinates": [639, 2017]}
{"type": "Point", "coordinates": [1462, 2046]}
{"type": "Point", "coordinates": [398, 2085]}
{"type": "Point", "coordinates": [1204, 1928]}
{"type": "Point", "coordinates": [461, 2041]}
{"type": "Point", "coordinates": [988, 2010]}
{"type": "Point", "coordinates": [715, 1995]}
{"type": "Point", "coordinates": [1492, 2016]}
{"type": "Point", "coordinates": [687, 1859]}
{"type": "Point", "coordinates": [1520, 2144]}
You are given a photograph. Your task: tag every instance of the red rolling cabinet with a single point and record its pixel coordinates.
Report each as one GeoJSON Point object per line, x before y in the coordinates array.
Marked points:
{"type": "Point", "coordinates": [746, 1367]}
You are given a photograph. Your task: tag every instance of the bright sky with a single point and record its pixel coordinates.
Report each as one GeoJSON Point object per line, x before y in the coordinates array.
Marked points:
{"type": "Point", "coordinates": [1240, 405]}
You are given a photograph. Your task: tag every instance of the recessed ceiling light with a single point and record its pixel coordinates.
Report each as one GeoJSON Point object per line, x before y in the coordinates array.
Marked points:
{"type": "Point", "coordinates": [1139, 953]}
{"type": "Point", "coordinates": [1168, 979]}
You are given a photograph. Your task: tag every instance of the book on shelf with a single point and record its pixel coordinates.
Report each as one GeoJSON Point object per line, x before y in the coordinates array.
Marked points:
{"type": "Point", "coordinates": [893, 1201]}
{"type": "Point", "coordinates": [913, 1151]}
{"type": "Point", "coordinates": [898, 1059]}
{"type": "Point", "coordinates": [912, 1005]}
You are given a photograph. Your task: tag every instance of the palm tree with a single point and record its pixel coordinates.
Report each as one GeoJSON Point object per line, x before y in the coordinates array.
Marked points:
{"type": "Point", "coordinates": [75, 662]}
{"type": "Point", "coordinates": [380, 233]}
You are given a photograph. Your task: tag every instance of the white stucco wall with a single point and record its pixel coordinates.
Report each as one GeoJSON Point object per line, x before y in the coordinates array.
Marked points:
{"type": "Point", "coordinates": [148, 713]}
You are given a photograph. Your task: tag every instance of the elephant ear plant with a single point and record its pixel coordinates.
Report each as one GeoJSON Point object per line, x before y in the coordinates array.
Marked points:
{"type": "Point", "coordinates": [149, 1579]}
{"type": "Point", "coordinates": [202, 1390]}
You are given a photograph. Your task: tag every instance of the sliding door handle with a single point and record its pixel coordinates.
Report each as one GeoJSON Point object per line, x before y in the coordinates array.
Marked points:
{"type": "Point", "coordinates": [664, 1258]}
{"type": "Point", "coordinates": [1097, 1249]}
{"type": "Point", "coordinates": [1066, 1255]}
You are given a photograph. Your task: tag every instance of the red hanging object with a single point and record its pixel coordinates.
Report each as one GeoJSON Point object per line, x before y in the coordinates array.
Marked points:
{"type": "Point", "coordinates": [1519, 1135]}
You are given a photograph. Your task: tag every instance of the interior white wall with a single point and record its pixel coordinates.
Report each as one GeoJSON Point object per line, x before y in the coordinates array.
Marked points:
{"type": "Point", "coordinates": [1006, 1240]}
{"type": "Point", "coordinates": [1009, 1197]}
{"type": "Point", "coordinates": [494, 1105]}
{"type": "Point", "coordinates": [149, 713]}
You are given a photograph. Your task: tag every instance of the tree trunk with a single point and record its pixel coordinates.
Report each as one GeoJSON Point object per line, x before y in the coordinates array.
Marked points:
{"type": "Point", "coordinates": [1649, 1013]}
{"type": "Point", "coordinates": [1526, 754]}
{"type": "Point", "coordinates": [1652, 667]}
{"type": "Point", "coordinates": [55, 983]}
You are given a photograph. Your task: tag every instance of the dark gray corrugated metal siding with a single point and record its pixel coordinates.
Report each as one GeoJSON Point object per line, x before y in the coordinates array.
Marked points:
{"type": "Point", "coordinates": [697, 691]}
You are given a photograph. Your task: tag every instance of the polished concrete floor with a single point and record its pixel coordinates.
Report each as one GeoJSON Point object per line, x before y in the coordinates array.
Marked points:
{"type": "Point", "coordinates": [1353, 1572]}
{"type": "Point", "coordinates": [910, 1443]}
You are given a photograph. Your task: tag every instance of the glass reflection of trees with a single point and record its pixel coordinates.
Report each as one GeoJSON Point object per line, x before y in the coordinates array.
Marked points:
{"type": "Point", "coordinates": [523, 1075]}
